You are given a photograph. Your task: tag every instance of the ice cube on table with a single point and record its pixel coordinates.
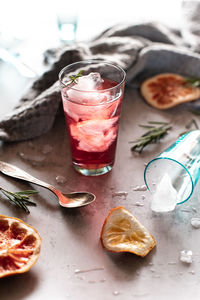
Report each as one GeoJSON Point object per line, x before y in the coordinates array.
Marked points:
{"type": "Point", "coordinates": [195, 222]}
{"type": "Point", "coordinates": [186, 256]}
{"type": "Point", "coordinates": [165, 197]}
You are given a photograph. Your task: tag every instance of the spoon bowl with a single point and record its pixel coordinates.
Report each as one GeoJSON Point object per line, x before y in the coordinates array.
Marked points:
{"type": "Point", "coordinates": [70, 200]}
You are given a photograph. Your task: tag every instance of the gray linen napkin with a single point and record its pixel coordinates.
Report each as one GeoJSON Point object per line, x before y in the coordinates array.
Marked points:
{"type": "Point", "coordinates": [142, 50]}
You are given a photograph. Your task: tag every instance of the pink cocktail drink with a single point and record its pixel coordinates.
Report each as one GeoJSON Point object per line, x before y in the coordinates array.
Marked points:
{"type": "Point", "coordinates": [92, 106]}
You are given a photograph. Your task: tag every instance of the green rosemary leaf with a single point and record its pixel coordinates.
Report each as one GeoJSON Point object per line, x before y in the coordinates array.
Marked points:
{"type": "Point", "coordinates": [20, 199]}
{"type": "Point", "coordinates": [194, 82]}
{"type": "Point", "coordinates": [153, 135]}
{"type": "Point", "coordinates": [157, 123]}
{"type": "Point", "coordinates": [73, 78]}
{"type": "Point", "coordinates": [27, 192]}
{"type": "Point", "coordinates": [195, 112]}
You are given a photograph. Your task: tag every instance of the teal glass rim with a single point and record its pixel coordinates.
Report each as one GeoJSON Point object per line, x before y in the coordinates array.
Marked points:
{"type": "Point", "coordinates": [168, 158]}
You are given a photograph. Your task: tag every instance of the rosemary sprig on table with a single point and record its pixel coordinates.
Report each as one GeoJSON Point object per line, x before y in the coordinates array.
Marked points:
{"type": "Point", "coordinates": [195, 112]}
{"type": "Point", "coordinates": [156, 131]}
{"type": "Point", "coordinates": [192, 125]}
{"type": "Point", "coordinates": [194, 82]}
{"type": "Point", "coordinates": [73, 78]}
{"type": "Point", "coordinates": [20, 199]}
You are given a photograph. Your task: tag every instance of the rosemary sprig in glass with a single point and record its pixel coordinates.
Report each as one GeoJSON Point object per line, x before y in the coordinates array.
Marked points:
{"type": "Point", "coordinates": [73, 78]}
{"type": "Point", "coordinates": [156, 131]}
{"type": "Point", "coordinates": [20, 199]}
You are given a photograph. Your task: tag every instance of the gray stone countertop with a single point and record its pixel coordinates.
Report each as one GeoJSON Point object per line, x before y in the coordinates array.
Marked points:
{"type": "Point", "coordinates": [73, 263]}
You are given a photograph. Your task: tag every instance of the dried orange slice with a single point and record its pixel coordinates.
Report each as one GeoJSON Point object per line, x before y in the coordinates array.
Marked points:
{"type": "Point", "coordinates": [19, 246]}
{"type": "Point", "coordinates": [167, 90]}
{"type": "Point", "coordinates": [122, 232]}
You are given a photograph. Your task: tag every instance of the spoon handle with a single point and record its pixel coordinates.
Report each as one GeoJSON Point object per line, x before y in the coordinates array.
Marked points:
{"type": "Point", "coordinates": [16, 172]}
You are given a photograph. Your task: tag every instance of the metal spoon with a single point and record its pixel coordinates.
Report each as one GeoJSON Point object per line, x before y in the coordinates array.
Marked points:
{"type": "Point", "coordinates": [71, 200]}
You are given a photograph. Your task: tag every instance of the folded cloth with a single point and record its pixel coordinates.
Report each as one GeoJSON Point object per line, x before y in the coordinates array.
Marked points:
{"type": "Point", "coordinates": [142, 50]}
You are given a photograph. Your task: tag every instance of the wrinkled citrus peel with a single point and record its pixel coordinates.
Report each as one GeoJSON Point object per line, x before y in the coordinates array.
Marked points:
{"type": "Point", "coordinates": [122, 232]}
{"type": "Point", "coordinates": [167, 90]}
{"type": "Point", "coordinates": [19, 246]}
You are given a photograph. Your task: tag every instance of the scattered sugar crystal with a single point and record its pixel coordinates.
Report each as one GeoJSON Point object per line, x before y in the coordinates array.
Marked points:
{"type": "Point", "coordinates": [33, 159]}
{"type": "Point", "coordinates": [171, 263]}
{"type": "Point", "coordinates": [120, 193]}
{"type": "Point", "coordinates": [91, 281]}
{"type": "Point", "coordinates": [47, 149]}
{"type": "Point", "coordinates": [152, 270]}
{"type": "Point", "coordinates": [195, 222]}
{"type": "Point", "coordinates": [186, 256]}
{"type": "Point", "coordinates": [186, 210]}
{"type": "Point", "coordinates": [60, 179]}
{"type": "Point", "coordinates": [139, 204]}
{"type": "Point", "coordinates": [156, 276]}
{"type": "Point", "coordinates": [115, 293]}
{"type": "Point", "coordinates": [194, 209]}
{"type": "Point", "coordinates": [165, 197]}
{"type": "Point", "coordinates": [140, 188]}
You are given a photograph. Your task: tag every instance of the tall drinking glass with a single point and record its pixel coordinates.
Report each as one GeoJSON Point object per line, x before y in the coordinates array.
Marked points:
{"type": "Point", "coordinates": [92, 93]}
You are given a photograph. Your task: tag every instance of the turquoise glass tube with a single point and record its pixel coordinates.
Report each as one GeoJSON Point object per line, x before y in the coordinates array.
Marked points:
{"type": "Point", "coordinates": [181, 161]}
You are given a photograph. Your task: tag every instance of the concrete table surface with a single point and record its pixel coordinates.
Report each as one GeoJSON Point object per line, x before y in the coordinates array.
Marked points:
{"type": "Point", "coordinates": [73, 263]}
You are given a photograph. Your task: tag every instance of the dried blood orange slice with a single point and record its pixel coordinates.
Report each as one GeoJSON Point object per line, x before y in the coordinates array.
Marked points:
{"type": "Point", "coordinates": [122, 232]}
{"type": "Point", "coordinates": [167, 90]}
{"type": "Point", "coordinates": [19, 246]}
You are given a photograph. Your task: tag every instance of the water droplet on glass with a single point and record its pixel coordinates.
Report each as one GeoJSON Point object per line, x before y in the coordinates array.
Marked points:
{"type": "Point", "coordinates": [195, 222]}
{"type": "Point", "coordinates": [140, 188]}
{"type": "Point", "coordinates": [194, 209]}
{"type": "Point", "coordinates": [186, 256]}
{"type": "Point", "coordinates": [192, 272]}
{"type": "Point", "coordinates": [60, 179]}
{"type": "Point", "coordinates": [47, 149]}
{"type": "Point", "coordinates": [143, 197]}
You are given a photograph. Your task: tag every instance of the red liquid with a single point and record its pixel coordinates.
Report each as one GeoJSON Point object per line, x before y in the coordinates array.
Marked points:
{"type": "Point", "coordinates": [93, 127]}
